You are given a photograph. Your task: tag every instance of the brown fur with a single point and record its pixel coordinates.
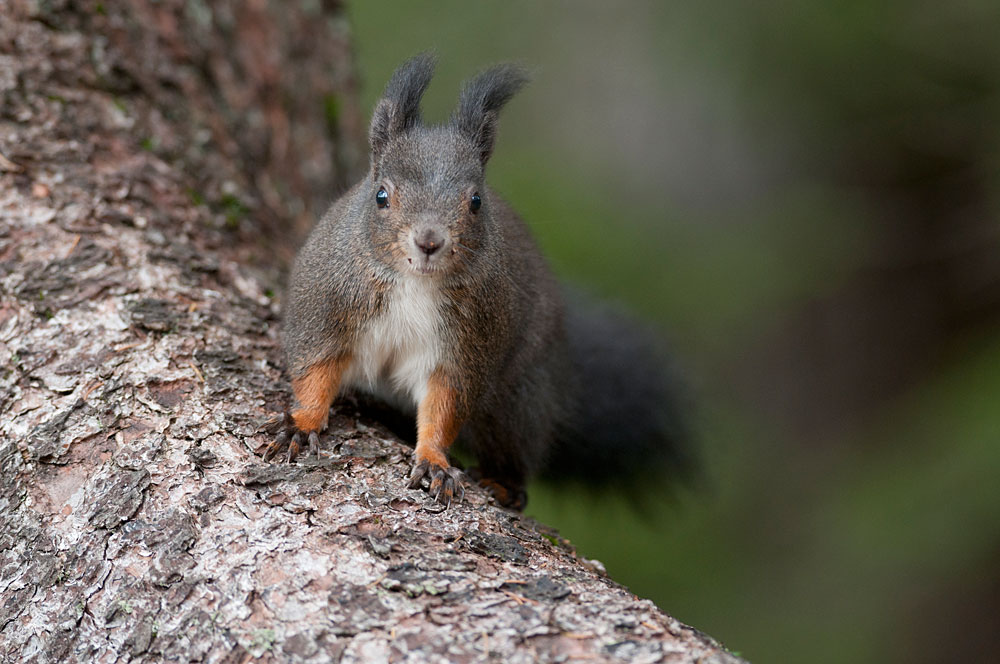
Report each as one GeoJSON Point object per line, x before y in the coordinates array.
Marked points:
{"type": "Point", "coordinates": [438, 421]}
{"type": "Point", "coordinates": [315, 391]}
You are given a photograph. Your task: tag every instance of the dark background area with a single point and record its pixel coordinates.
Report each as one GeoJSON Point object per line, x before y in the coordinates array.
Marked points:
{"type": "Point", "coordinates": [805, 199]}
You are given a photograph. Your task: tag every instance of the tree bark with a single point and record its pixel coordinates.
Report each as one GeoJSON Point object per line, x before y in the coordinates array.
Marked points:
{"type": "Point", "coordinates": [145, 149]}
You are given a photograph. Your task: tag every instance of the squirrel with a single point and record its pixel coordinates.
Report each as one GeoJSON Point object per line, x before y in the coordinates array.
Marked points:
{"type": "Point", "coordinates": [421, 286]}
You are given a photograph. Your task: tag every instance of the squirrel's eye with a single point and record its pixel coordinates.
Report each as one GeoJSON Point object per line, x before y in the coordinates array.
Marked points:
{"type": "Point", "coordinates": [475, 203]}
{"type": "Point", "coordinates": [382, 198]}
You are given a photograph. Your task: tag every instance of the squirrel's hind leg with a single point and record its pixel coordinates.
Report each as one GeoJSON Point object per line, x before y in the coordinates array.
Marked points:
{"type": "Point", "coordinates": [314, 392]}
{"type": "Point", "coordinates": [507, 492]}
{"type": "Point", "coordinates": [508, 448]}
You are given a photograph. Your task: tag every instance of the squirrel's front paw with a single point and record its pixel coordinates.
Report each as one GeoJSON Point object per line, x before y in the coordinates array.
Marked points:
{"type": "Point", "coordinates": [290, 439]}
{"type": "Point", "coordinates": [445, 481]}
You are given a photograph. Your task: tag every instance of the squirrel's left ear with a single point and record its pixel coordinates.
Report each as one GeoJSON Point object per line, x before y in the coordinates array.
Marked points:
{"type": "Point", "coordinates": [480, 102]}
{"type": "Point", "coordinates": [399, 107]}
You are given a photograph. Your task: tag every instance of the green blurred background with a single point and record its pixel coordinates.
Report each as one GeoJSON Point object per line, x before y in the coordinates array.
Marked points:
{"type": "Point", "coordinates": [805, 197]}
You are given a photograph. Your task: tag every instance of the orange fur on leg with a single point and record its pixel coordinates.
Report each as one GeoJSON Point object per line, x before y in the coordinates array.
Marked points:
{"type": "Point", "coordinates": [315, 391]}
{"type": "Point", "coordinates": [438, 421]}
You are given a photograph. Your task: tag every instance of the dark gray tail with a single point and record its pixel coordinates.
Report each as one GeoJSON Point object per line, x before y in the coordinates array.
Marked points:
{"type": "Point", "coordinates": [629, 419]}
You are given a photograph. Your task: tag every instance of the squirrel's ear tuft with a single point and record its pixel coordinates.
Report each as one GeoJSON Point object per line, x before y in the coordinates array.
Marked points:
{"type": "Point", "coordinates": [481, 100]}
{"type": "Point", "coordinates": [399, 107]}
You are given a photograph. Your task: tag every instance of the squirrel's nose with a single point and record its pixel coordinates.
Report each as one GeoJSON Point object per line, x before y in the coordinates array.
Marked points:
{"type": "Point", "coordinates": [429, 241]}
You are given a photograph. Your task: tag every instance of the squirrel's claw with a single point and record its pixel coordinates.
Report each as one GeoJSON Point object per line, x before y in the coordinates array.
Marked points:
{"type": "Point", "coordinates": [275, 446]}
{"type": "Point", "coordinates": [290, 439]}
{"type": "Point", "coordinates": [294, 445]}
{"type": "Point", "coordinates": [445, 482]}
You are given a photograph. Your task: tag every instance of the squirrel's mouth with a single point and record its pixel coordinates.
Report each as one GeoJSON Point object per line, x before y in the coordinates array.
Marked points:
{"type": "Point", "coordinates": [424, 266]}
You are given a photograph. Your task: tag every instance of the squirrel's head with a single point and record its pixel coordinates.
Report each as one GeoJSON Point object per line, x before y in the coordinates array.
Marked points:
{"type": "Point", "coordinates": [429, 208]}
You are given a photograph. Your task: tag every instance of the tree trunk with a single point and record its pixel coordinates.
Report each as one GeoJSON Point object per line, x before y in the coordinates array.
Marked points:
{"type": "Point", "coordinates": [145, 151]}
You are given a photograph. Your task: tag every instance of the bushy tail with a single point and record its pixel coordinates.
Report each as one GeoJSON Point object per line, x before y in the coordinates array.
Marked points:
{"type": "Point", "coordinates": [627, 422]}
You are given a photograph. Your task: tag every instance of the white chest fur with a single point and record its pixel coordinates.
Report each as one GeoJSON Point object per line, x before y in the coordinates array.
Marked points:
{"type": "Point", "coordinates": [397, 351]}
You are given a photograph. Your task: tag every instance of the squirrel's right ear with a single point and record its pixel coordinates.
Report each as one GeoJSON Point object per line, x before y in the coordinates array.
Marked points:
{"type": "Point", "coordinates": [480, 102]}
{"type": "Point", "coordinates": [399, 107]}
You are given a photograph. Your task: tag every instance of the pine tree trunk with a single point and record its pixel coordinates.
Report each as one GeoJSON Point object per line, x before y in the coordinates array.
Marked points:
{"type": "Point", "coordinates": [158, 162]}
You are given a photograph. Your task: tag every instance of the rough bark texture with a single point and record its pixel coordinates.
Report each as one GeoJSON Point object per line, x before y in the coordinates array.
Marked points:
{"type": "Point", "coordinates": [142, 146]}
